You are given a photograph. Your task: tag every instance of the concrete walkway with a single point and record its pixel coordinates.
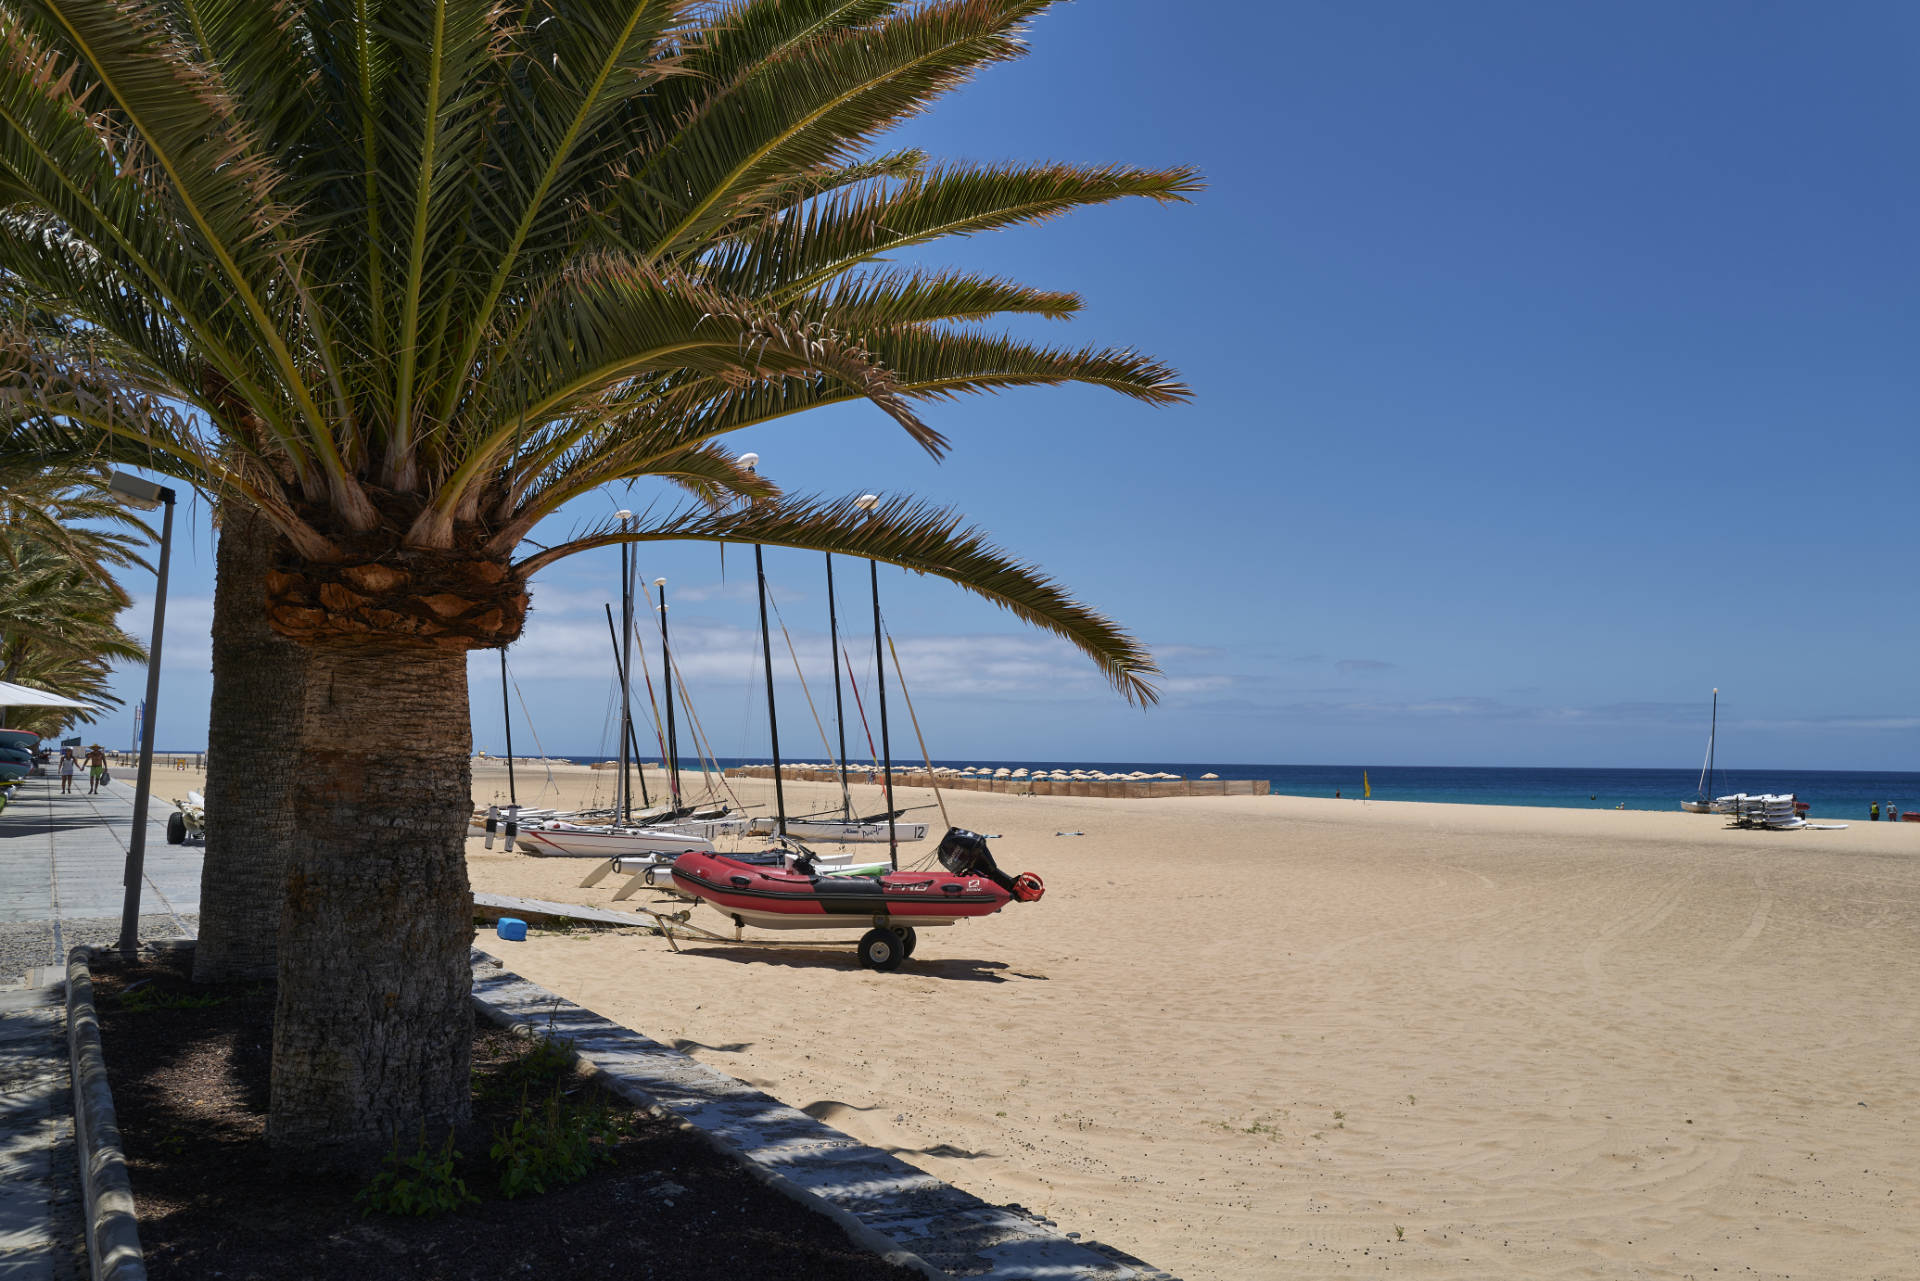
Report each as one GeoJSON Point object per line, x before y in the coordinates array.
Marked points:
{"type": "Point", "coordinates": [62, 863]}
{"type": "Point", "coordinates": [41, 1236]}
{"type": "Point", "coordinates": [62, 866]}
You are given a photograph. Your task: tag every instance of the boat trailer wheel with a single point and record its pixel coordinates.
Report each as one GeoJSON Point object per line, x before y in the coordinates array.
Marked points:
{"type": "Point", "coordinates": [176, 828]}
{"type": "Point", "coordinates": [882, 949]}
{"type": "Point", "coordinates": [908, 939]}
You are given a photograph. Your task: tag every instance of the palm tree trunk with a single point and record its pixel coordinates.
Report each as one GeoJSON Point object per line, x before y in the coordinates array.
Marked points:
{"type": "Point", "coordinates": [372, 1030]}
{"type": "Point", "coordinates": [253, 753]}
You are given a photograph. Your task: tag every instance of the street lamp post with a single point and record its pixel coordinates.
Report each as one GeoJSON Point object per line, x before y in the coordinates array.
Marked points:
{"type": "Point", "coordinates": [866, 503]}
{"type": "Point", "coordinates": [144, 494]}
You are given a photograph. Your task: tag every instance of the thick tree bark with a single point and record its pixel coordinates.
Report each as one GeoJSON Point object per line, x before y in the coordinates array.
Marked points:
{"type": "Point", "coordinates": [371, 1033]}
{"type": "Point", "coordinates": [253, 753]}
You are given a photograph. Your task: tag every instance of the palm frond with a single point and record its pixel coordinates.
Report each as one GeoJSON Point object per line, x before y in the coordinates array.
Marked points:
{"type": "Point", "coordinates": [817, 241]}
{"type": "Point", "coordinates": [185, 127]}
{"type": "Point", "coordinates": [913, 535]}
{"type": "Point", "coordinates": [815, 105]}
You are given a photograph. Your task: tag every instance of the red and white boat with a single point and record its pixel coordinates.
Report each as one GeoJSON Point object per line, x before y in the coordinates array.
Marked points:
{"type": "Point", "coordinates": [894, 905]}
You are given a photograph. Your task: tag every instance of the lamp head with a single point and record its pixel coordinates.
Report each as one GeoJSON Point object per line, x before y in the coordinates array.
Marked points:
{"type": "Point", "coordinates": [749, 461]}
{"type": "Point", "coordinates": [624, 515]}
{"type": "Point", "coordinates": [867, 502]}
{"type": "Point", "coordinates": [659, 582]}
{"type": "Point", "coordinates": [135, 492]}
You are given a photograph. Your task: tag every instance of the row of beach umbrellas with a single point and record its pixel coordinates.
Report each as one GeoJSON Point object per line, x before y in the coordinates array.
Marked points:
{"type": "Point", "coordinates": [985, 771]}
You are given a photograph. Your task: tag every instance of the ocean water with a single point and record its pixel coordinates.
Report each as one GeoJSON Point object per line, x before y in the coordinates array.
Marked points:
{"type": "Point", "coordinates": [1839, 794]}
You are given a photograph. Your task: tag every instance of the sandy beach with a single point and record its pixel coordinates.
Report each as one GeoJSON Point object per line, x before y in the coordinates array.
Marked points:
{"type": "Point", "coordinates": [1287, 1037]}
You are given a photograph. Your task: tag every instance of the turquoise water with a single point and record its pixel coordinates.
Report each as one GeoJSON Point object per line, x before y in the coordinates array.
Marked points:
{"type": "Point", "coordinates": [1842, 794]}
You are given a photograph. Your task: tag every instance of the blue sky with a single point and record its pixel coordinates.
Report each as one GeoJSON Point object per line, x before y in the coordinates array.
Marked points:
{"type": "Point", "coordinates": [1554, 364]}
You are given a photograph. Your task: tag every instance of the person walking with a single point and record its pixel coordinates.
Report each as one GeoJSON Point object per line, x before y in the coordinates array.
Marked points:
{"type": "Point", "coordinates": [66, 770]}
{"type": "Point", "coordinates": [96, 769]}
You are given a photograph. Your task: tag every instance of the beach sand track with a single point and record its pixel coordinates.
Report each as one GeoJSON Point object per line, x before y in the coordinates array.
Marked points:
{"type": "Point", "coordinates": [1249, 1038]}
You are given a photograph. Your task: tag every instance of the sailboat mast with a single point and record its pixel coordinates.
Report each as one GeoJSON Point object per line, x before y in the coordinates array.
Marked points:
{"type": "Point", "coordinates": [1713, 732]}
{"type": "Point", "coordinates": [506, 710]}
{"type": "Point", "coordinates": [773, 721]}
{"type": "Point", "coordinates": [886, 746]}
{"type": "Point", "coordinates": [839, 715]}
{"type": "Point", "coordinates": [866, 503]}
{"type": "Point", "coordinates": [633, 741]}
{"type": "Point", "coordinates": [666, 675]}
{"type": "Point", "coordinates": [750, 462]}
{"type": "Point", "coordinates": [623, 793]}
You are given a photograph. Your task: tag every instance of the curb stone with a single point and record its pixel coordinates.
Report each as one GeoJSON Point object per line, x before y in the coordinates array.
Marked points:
{"type": "Point", "coordinates": [895, 1210]}
{"type": "Point", "coordinates": [113, 1228]}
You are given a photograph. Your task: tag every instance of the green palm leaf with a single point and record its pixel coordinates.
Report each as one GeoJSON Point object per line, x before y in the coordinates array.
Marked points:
{"type": "Point", "coordinates": [913, 535]}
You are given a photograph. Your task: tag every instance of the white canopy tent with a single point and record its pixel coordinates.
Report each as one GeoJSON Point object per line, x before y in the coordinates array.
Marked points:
{"type": "Point", "coordinates": [12, 695]}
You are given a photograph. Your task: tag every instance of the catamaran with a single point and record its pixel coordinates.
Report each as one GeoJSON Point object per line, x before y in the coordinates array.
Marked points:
{"type": "Point", "coordinates": [1703, 802]}
{"type": "Point", "coordinates": [662, 832]}
{"type": "Point", "coordinates": [849, 831]}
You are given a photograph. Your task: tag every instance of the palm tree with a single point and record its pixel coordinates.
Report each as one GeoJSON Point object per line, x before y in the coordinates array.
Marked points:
{"type": "Point", "coordinates": [259, 677]}
{"type": "Point", "coordinates": [57, 615]}
{"type": "Point", "coordinates": [405, 278]}
{"type": "Point", "coordinates": [254, 719]}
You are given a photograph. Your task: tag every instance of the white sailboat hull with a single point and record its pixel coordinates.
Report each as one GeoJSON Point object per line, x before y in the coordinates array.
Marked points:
{"type": "Point", "coordinates": [840, 831]}
{"type": "Point", "coordinates": [584, 842]}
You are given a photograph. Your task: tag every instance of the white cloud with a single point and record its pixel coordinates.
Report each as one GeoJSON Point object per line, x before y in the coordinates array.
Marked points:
{"type": "Point", "coordinates": [188, 645]}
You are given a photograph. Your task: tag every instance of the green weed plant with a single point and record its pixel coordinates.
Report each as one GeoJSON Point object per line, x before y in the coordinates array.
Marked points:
{"type": "Point", "coordinates": [421, 1183]}
{"type": "Point", "coordinates": [550, 1145]}
{"type": "Point", "coordinates": [144, 1000]}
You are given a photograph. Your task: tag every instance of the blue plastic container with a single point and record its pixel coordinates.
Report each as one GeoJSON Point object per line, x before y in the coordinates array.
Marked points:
{"type": "Point", "coordinates": [512, 929]}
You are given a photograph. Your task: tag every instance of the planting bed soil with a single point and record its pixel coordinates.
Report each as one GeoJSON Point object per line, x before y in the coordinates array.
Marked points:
{"type": "Point", "coordinates": [189, 1069]}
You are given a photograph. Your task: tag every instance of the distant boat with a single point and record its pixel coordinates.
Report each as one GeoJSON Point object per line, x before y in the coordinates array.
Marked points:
{"type": "Point", "coordinates": [1702, 803]}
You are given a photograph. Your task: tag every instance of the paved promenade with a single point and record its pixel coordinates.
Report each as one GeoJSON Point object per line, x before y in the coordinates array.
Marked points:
{"type": "Point", "coordinates": [62, 865]}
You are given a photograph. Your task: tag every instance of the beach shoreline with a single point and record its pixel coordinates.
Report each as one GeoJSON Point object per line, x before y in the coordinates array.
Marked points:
{"type": "Point", "coordinates": [1253, 1037]}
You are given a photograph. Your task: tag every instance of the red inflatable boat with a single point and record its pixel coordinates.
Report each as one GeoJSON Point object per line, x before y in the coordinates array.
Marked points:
{"type": "Point", "coordinates": [893, 905]}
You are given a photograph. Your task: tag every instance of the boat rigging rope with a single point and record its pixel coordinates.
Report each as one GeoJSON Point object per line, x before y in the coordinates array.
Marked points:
{"type": "Point", "coordinates": [933, 780]}
{"type": "Point", "coordinates": [793, 654]}
{"type": "Point", "coordinates": [709, 768]}
{"type": "Point", "coordinates": [551, 785]}
{"type": "Point", "coordinates": [646, 673]}
{"type": "Point", "coordinates": [860, 706]}
{"type": "Point", "coordinates": [701, 743]}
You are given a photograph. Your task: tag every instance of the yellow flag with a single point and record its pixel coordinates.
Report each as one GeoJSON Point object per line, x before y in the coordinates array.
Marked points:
{"type": "Point", "coordinates": [1366, 788]}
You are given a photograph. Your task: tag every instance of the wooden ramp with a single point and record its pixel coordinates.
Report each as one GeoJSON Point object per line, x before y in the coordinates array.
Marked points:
{"type": "Point", "coordinates": [492, 907]}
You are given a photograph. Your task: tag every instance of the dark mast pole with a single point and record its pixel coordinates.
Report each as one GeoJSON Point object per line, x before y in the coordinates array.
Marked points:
{"type": "Point", "coordinates": [839, 716]}
{"type": "Point", "coordinates": [633, 741]}
{"type": "Point", "coordinates": [666, 675]}
{"type": "Point", "coordinates": [867, 502]}
{"type": "Point", "coordinates": [625, 659]}
{"type": "Point", "coordinates": [750, 461]}
{"type": "Point", "coordinates": [506, 710]}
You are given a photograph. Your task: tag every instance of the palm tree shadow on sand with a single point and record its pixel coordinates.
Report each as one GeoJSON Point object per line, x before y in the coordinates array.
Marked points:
{"type": "Point", "coordinates": [832, 1110]}
{"type": "Point", "coordinates": [955, 969]}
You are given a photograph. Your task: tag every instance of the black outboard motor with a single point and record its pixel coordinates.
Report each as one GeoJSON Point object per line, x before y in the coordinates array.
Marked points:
{"type": "Point", "coordinates": [965, 853]}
